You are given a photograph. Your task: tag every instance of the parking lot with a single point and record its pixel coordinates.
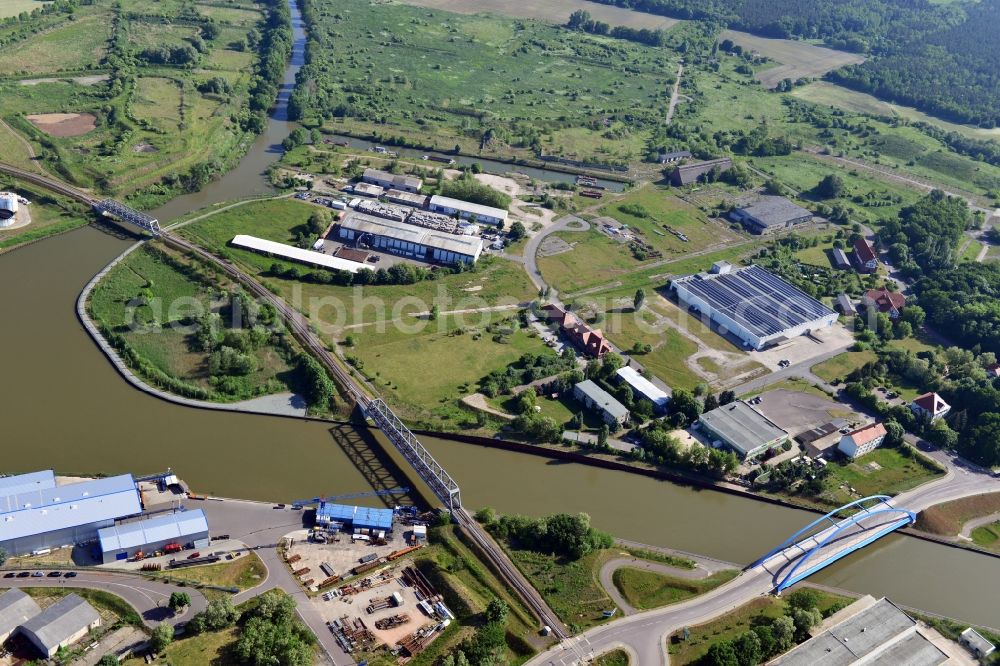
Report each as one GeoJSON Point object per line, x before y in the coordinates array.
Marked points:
{"type": "Point", "coordinates": [805, 348]}
{"type": "Point", "coordinates": [796, 411]}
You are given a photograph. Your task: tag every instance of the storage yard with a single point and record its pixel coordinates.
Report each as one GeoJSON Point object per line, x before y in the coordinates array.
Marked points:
{"type": "Point", "coordinates": [356, 560]}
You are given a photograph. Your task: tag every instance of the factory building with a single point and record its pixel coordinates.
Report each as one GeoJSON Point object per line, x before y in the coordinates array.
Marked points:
{"type": "Point", "coordinates": [466, 210]}
{"type": "Point", "coordinates": [50, 516]}
{"type": "Point", "coordinates": [61, 624]}
{"type": "Point", "coordinates": [406, 198]}
{"type": "Point", "coordinates": [353, 518]}
{"type": "Point", "coordinates": [770, 214]}
{"type": "Point", "coordinates": [755, 306]}
{"type": "Point", "coordinates": [392, 181]}
{"type": "Point", "coordinates": [643, 388]}
{"type": "Point", "coordinates": [16, 608]}
{"type": "Point", "coordinates": [689, 174]}
{"type": "Point", "coordinates": [873, 632]}
{"type": "Point", "coordinates": [171, 531]}
{"type": "Point", "coordinates": [741, 428]}
{"type": "Point", "coordinates": [408, 240]}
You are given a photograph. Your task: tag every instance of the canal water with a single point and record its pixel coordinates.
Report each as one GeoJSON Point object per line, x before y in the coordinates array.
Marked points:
{"type": "Point", "coordinates": [62, 405]}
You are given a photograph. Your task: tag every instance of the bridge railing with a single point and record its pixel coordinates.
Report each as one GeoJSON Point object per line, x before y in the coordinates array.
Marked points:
{"type": "Point", "coordinates": [433, 474]}
{"type": "Point", "coordinates": [906, 518]}
{"type": "Point", "coordinates": [816, 523]}
{"type": "Point", "coordinates": [127, 214]}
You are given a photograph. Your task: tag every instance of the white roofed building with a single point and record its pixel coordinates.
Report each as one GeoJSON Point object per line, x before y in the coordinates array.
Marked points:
{"type": "Point", "coordinates": [120, 542]}
{"type": "Point", "coordinates": [643, 388]}
{"type": "Point", "coordinates": [296, 254]}
{"type": "Point", "coordinates": [54, 516]}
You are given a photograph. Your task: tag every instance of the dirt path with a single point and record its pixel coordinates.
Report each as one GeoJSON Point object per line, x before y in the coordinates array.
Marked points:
{"type": "Point", "coordinates": [478, 401]}
{"type": "Point", "coordinates": [967, 528]}
{"type": "Point", "coordinates": [675, 94]}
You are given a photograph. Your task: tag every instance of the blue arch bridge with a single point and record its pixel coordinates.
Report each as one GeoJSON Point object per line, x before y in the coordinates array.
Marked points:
{"type": "Point", "coordinates": [832, 537]}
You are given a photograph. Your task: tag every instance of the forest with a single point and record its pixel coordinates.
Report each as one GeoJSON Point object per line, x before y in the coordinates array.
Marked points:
{"type": "Point", "coordinates": [942, 58]}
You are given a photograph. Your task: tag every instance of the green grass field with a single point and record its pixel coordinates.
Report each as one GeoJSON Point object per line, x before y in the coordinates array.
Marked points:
{"type": "Point", "coordinates": [670, 349]}
{"type": "Point", "coordinates": [550, 81]}
{"type": "Point", "coordinates": [613, 658]}
{"type": "Point", "coordinates": [74, 46]}
{"type": "Point", "coordinates": [426, 372]}
{"type": "Point", "coordinates": [842, 365]}
{"type": "Point", "coordinates": [246, 572]}
{"type": "Point", "coordinates": [156, 326]}
{"type": "Point", "coordinates": [571, 588]}
{"type": "Point", "coordinates": [883, 471]}
{"type": "Point", "coordinates": [646, 589]}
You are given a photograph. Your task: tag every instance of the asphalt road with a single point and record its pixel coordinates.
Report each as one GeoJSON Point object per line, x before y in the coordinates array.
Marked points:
{"type": "Point", "coordinates": [148, 598]}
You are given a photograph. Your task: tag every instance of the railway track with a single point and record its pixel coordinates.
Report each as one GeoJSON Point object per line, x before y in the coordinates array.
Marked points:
{"type": "Point", "coordinates": [356, 388]}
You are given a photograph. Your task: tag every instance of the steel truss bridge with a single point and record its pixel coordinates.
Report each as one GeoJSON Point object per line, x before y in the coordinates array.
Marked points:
{"type": "Point", "coordinates": [828, 539]}
{"type": "Point", "coordinates": [122, 213]}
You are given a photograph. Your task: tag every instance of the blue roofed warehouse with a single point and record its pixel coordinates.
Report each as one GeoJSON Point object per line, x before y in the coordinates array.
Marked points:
{"type": "Point", "coordinates": [120, 542]}
{"type": "Point", "coordinates": [354, 517]}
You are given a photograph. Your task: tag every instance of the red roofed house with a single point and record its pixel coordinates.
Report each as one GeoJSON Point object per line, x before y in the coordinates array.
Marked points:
{"type": "Point", "coordinates": [889, 302]}
{"type": "Point", "coordinates": [862, 441]}
{"type": "Point", "coordinates": [864, 256]}
{"type": "Point", "coordinates": [591, 342]}
{"type": "Point", "coordinates": [931, 406]}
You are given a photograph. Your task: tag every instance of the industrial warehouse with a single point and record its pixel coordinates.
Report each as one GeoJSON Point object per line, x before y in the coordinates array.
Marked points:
{"type": "Point", "coordinates": [357, 519]}
{"type": "Point", "coordinates": [467, 210]}
{"type": "Point", "coordinates": [168, 533]}
{"type": "Point", "coordinates": [37, 514]}
{"type": "Point", "coordinates": [409, 241]}
{"type": "Point", "coordinates": [753, 305]}
{"type": "Point", "coordinates": [309, 257]}
{"type": "Point", "coordinates": [741, 428]}
{"type": "Point", "coordinates": [61, 624]}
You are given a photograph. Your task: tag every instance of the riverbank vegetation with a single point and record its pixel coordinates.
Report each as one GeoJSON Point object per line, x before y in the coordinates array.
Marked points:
{"type": "Point", "coordinates": [138, 100]}
{"type": "Point", "coordinates": [184, 328]}
{"type": "Point", "coordinates": [947, 519]}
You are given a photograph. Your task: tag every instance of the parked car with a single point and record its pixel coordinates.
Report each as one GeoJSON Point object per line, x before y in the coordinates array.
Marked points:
{"type": "Point", "coordinates": [9, 574]}
{"type": "Point", "coordinates": [70, 574]}
{"type": "Point", "coordinates": [24, 574]}
{"type": "Point", "coordinates": [38, 574]}
{"type": "Point", "coordinates": [55, 574]}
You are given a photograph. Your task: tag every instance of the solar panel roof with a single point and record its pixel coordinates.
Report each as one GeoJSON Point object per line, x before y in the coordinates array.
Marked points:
{"type": "Point", "coordinates": [762, 303]}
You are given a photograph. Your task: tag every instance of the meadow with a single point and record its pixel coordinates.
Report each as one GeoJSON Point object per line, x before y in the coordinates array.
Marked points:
{"type": "Point", "coordinates": [534, 85]}
{"type": "Point", "coordinates": [156, 126]}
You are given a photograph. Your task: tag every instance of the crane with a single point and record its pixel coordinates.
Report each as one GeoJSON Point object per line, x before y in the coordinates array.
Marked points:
{"type": "Point", "coordinates": [298, 504]}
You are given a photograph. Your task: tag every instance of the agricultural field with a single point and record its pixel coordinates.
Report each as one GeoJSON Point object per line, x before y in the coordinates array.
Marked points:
{"type": "Point", "coordinates": [526, 81]}
{"type": "Point", "coordinates": [796, 59]}
{"type": "Point", "coordinates": [125, 138]}
{"type": "Point", "coordinates": [15, 7]}
{"type": "Point", "coordinates": [77, 45]}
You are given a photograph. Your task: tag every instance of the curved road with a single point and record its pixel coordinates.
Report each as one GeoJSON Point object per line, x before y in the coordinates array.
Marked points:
{"type": "Point", "coordinates": [606, 576]}
{"type": "Point", "coordinates": [148, 597]}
